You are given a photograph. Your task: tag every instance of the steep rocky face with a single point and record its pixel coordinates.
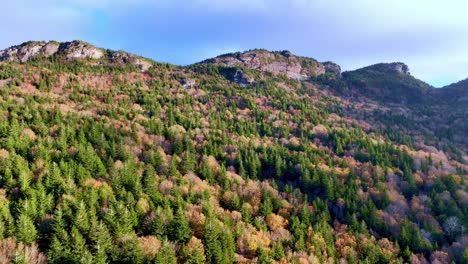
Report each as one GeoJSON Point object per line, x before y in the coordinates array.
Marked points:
{"type": "Point", "coordinates": [283, 62]}
{"type": "Point", "coordinates": [70, 50]}
{"type": "Point", "coordinates": [333, 68]}
{"type": "Point", "coordinates": [24, 52]}
{"type": "Point", "coordinates": [401, 68]}
{"type": "Point", "coordinates": [28, 50]}
{"type": "Point", "coordinates": [79, 49]}
{"type": "Point", "coordinates": [124, 57]}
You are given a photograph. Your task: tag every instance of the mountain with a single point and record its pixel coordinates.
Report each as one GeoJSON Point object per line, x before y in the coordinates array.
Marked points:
{"type": "Point", "coordinates": [69, 50]}
{"type": "Point", "coordinates": [388, 82]}
{"type": "Point", "coordinates": [249, 157]}
{"type": "Point", "coordinates": [282, 62]}
{"type": "Point", "coordinates": [454, 93]}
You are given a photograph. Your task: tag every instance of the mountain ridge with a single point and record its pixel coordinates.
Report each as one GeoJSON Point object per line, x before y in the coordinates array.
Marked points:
{"type": "Point", "coordinates": [75, 49]}
{"type": "Point", "coordinates": [82, 49]}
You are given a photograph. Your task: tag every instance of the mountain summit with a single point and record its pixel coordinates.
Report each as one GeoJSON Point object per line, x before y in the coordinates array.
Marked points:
{"type": "Point", "coordinates": [278, 62]}
{"type": "Point", "coordinates": [69, 50]}
{"type": "Point", "coordinates": [388, 82]}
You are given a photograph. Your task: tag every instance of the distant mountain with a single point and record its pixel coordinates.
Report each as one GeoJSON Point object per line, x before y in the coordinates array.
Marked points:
{"type": "Point", "coordinates": [387, 82]}
{"type": "Point", "coordinates": [453, 93]}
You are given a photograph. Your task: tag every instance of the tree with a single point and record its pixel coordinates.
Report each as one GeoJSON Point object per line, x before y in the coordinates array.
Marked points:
{"type": "Point", "coordinates": [453, 227]}
{"type": "Point", "coordinates": [101, 241]}
{"type": "Point", "coordinates": [193, 252]}
{"type": "Point", "coordinates": [263, 256]}
{"type": "Point", "coordinates": [219, 246]}
{"type": "Point", "coordinates": [80, 250]}
{"type": "Point", "coordinates": [166, 255]}
{"type": "Point", "coordinates": [179, 228]}
{"type": "Point", "coordinates": [266, 207]}
{"type": "Point", "coordinates": [127, 249]}
{"type": "Point", "coordinates": [25, 230]}
{"type": "Point", "coordinates": [277, 250]}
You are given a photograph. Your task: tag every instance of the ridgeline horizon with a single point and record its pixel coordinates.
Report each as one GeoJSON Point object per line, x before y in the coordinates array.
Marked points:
{"type": "Point", "coordinates": [83, 49]}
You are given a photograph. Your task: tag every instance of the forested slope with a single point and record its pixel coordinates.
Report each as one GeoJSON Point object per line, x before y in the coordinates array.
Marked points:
{"type": "Point", "coordinates": [115, 158]}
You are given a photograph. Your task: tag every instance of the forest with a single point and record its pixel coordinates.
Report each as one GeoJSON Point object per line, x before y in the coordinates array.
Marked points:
{"type": "Point", "coordinates": [101, 162]}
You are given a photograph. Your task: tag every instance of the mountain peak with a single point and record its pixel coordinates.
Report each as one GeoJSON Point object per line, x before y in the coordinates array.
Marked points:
{"type": "Point", "coordinates": [393, 67]}
{"type": "Point", "coordinates": [75, 49]}
{"type": "Point", "coordinates": [388, 82]}
{"type": "Point", "coordinates": [276, 62]}
{"type": "Point", "coordinates": [31, 49]}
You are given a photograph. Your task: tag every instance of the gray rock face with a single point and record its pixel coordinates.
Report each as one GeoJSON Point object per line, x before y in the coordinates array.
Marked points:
{"type": "Point", "coordinates": [242, 79]}
{"type": "Point", "coordinates": [28, 50]}
{"type": "Point", "coordinates": [238, 76]}
{"type": "Point", "coordinates": [70, 50]}
{"type": "Point", "coordinates": [331, 67]}
{"type": "Point", "coordinates": [188, 83]}
{"type": "Point", "coordinates": [401, 67]}
{"type": "Point", "coordinates": [284, 62]}
{"type": "Point", "coordinates": [124, 57]}
{"type": "Point", "coordinates": [50, 49]}
{"type": "Point", "coordinates": [79, 49]}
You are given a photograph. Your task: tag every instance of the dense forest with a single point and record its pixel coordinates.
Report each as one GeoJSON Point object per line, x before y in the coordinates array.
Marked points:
{"type": "Point", "coordinates": [101, 161]}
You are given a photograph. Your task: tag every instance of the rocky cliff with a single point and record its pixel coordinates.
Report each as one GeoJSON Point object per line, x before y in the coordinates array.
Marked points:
{"type": "Point", "coordinates": [282, 62]}
{"type": "Point", "coordinates": [69, 50]}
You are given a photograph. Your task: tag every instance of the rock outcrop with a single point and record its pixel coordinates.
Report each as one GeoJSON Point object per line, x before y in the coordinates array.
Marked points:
{"type": "Point", "coordinates": [24, 52]}
{"type": "Point", "coordinates": [283, 62]}
{"type": "Point", "coordinates": [238, 76]}
{"type": "Point", "coordinates": [333, 68]}
{"type": "Point", "coordinates": [69, 50]}
{"type": "Point", "coordinates": [79, 49]}
{"type": "Point", "coordinates": [124, 57]}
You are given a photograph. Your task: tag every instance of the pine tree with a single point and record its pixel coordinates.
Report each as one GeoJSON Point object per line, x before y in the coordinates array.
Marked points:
{"type": "Point", "coordinates": [166, 255]}
{"type": "Point", "coordinates": [189, 161]}
{"type": "Point", "coordinates": [193, 252]}
{"type": "Point", "coordinates": [263, 257]}
{"type": "Point", "coordinates": [219, 245]}
{"type": "Point", "coordinates": [277, 250]}
{"type": "Point", "coordinates": [81, 219]}
{"type": "Point", "coordinates": [179, 229]}
{"type": "Point", "coordinates": [26, 232]}
{"type": "Point", "coordinates": [266, 207]}
{"type": "Point", "coordinates": [213, 251]}
{"type": "Point", "coordinates": [101, 242]}
{"type": "Point", "coordinates": [80, 250]}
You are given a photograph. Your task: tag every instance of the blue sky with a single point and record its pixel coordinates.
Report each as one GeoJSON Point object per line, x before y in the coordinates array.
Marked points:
{"type": "Point", "coordinates": [429, 35]}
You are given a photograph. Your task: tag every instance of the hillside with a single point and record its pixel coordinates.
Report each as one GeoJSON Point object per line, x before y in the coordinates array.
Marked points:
{"type": "Point", "coordinates": [253, 157]}
{"type": "Point", "coordinates": [403, 103]}
{"type": "Point", "coordinates": [456, 93]}
{"type": "Point", "coordinates": [387, 82]}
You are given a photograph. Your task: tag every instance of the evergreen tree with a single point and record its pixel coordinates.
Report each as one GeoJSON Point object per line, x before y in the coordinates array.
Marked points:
{"type": "Point", "coordinates": [101, 242]}
{"type": "Point", "coordinates": [179, 229]}
{"type": "Point", "coordinates": [166, 255]}
{"type": "Point", "coordinates": [26, 231]}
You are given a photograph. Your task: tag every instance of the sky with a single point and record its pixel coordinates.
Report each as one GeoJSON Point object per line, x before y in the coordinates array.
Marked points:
{"type": "Point", "coordinates": [430, 36]}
